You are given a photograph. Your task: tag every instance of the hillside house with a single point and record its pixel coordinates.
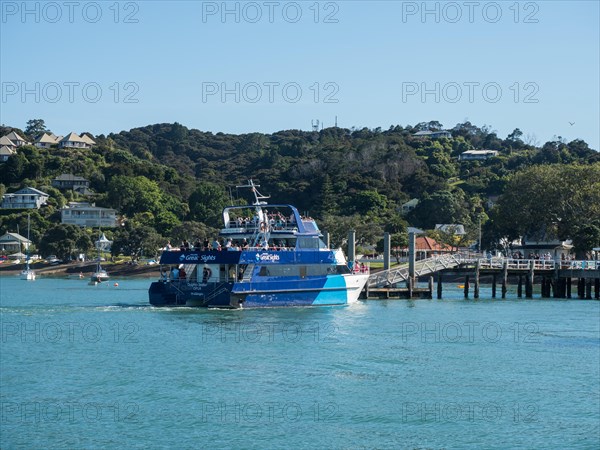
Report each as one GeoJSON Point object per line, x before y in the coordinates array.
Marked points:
{"type": "Point", "coordinates": [47, 140]}
{"type": "Point", "coordinates": [70, 181]}
{"type": "Point", "coordinates": [477, 155]}
{"type": "Point", "coordinates": [84, 214]}
{"type": "Point", "coordinates": [26, 198]}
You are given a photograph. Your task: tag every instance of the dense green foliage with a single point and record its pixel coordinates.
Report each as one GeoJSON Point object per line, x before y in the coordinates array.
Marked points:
{"type": "Point", "coordinates": [171, 182]}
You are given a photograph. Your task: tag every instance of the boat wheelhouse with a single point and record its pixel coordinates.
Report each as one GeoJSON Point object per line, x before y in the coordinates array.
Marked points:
{"type": "Point", "coordinates": [267, 255]}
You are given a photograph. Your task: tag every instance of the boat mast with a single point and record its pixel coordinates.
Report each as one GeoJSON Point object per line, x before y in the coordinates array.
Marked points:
{"type": "Point", "coordinates": [262, 231]}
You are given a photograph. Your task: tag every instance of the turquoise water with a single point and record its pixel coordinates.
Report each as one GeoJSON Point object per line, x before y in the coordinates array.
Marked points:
{"type": "Point", "coordinates": [96, 367]}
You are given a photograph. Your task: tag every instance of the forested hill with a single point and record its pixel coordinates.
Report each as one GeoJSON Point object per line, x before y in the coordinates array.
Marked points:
{"type": "Point", "coordinates": [322, 172]}
{"type": "Point", "coordinates": [168, 181]}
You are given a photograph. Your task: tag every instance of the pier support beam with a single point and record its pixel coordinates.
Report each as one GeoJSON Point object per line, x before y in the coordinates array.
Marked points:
{"type": "Point", "coordinates": [597, 288]}
{"type": "Point", "coordinates": [439, 285]}
{"type": "Point", "coordinates": [529, 282]}
{"type": "Point", "coordinates": [431, 286]}
{"type": "Point", "coordinates": [386, 251]}
{"type": "Point", "coordinates": [410, 284]}
{"type": "Point", "coordinates": [569, 285]}
{"type": "Point", "coordinates": [588, 289]}
{"type": "Point", "coordinates": [520, 287]}
{"type": "Point", "coordinates": [581, 288]}
{"type": "Point", "coordinates": [494, 286]}
{"type": "Point", "coordinates": [411, 256]}
{"type": "Point", "coordinates": [351, 247]}
{"type": "Point", "coordinates": [476, 287]}
{"type": "Point", "coordinates": [504, 278]}
{"type": "Point", "coordinates": [466, 289]}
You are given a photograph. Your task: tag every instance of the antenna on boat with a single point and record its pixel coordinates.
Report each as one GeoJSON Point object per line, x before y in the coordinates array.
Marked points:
{"type": "Point", "coordinates": [257, 195]}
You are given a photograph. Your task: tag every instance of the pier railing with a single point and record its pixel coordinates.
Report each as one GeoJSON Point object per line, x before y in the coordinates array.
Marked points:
{"type": "Point", "coordinates": [400, 274]}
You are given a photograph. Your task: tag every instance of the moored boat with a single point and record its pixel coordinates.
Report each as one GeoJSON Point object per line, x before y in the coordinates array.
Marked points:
{"type": "Point", "coordinates": [268, 255]}
{"type": "Point", "coordinates": [100, 273]}
{"type": "Point", "coordinates": [27, 273]}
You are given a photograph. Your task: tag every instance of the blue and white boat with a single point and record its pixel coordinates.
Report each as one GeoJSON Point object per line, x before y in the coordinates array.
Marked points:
{"type": "Point", "coordinates": [268, 255]}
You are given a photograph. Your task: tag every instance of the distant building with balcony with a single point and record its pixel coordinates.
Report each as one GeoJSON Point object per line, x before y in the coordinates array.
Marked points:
{"type": "Point", "coordinates": [47, 140]}
{"type": "Point", "coordinates": [70, 181]}
{"type": "Point", "coordinates": [477, 155]}
{"type": "Point", "coordinates": [84, 214]}
{"type": "Point", "coordinates": [73, 140]}
{"type": "Point", "coordinates": [13, 242]}
{"type": "Point", "coordinates": [17, 140]}
{"type": "Point", "coordinates": [26, 198]}
{"type": "Point", "coordinates": [433, 134]}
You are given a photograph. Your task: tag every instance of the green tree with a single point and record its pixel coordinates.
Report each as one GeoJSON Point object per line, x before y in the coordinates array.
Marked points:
{"type": "Point", "coordinates": [64, 241]}
{"type": "Point", "coordinates": [553, 201]}
{"type": "Point", "coordinates": [35, 127]}
{"type": "Point", "coordinates": [207, 203]}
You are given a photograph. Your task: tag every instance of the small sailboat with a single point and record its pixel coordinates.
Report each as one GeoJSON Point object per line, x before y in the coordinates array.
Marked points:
{"type": "Point", "coordinates": [27, 273]}
{"type": "Point", "coordinates": [100, 274]}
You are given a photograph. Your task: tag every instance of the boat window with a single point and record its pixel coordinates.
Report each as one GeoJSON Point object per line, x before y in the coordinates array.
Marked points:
{"type": "Point", "coordinates": [342, 269]}
{"type": "Point", "coordinates": [307, 242]}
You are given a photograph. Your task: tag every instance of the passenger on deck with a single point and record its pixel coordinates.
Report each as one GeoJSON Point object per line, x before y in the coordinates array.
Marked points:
{"type": "Point", "coordinates": [182, 274]}
{"type": "Point", "coordinates": [174, 274]}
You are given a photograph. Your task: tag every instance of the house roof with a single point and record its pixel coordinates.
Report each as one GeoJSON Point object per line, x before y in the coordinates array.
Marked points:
{"type": "Point", "coordinates": [69, 177]}
{"type": "Point", "coordinates": [4, 140]}
{"type": "Point", "coordinates": [453, 228]}
{"type": "Point", "coordinates": [411, 202]}
{"type": "Point", "coordinates": [14, 237]}
{"type": "Point", "coordinates": [88, 140]}
{"type": "Point", "coordinates": [29, 190]}
{"type": "Point", "coordinates": [13, 136]}
{"type": "Point", "coordinates": [427, 243]}
{"type": "Point", "coordinates": [72, 137]}
{"type": "Point", "coordinates": [48, 138]}
{"type": "Point", "coordinates": [6, 150]}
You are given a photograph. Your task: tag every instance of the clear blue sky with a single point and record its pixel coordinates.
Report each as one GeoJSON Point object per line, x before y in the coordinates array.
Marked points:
{"type": "Point", "coordinates": [106, 66]}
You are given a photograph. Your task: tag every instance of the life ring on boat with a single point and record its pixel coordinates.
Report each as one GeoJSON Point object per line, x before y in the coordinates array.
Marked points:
{"type": "Point", "coordinates": [263, 226]}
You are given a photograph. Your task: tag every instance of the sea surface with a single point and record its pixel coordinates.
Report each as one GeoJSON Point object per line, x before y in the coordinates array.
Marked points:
{"type": "Point", "coordinates": [96, 367]}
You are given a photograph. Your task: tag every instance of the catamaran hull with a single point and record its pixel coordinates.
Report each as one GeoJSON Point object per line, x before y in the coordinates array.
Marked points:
{"type": "Point", "coordinates": [339, 290]}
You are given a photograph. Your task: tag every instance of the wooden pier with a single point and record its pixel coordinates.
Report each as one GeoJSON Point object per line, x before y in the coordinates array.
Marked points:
{"type": "Point", "coordinates": [557, 279]}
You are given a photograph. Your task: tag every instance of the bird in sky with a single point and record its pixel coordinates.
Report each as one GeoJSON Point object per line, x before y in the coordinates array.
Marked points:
{"type": "Point", "coordinates": [571, 123]}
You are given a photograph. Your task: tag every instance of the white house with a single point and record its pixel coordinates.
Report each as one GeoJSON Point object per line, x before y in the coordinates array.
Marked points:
{"type": "Point", "coordinates": [70, 181]}
{"type": "Point", "coordinates": [47, 140]}
{"type": "Point", "coordinates": [433, 134]}
{"type": "Point", "coordinates": [73, 140]}
{"type": "Point", "coordinates": [13, 242]}
{"type": "Point", "coordinates": [26, 198]}
{"type": "Point", "coordinates": [477, 155]}
{"type": "Point", "coordinates": [16, 139]}
{"type": "Point", "coordinates": [409, 205]}
{"type": "Point", "coordinates": [84, 214]}
{"type": "Point", "coordinates": [6, 152]}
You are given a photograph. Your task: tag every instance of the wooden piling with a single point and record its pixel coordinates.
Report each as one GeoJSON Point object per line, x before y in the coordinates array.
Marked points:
{"type": "Point", "coordinates": [581, 288]}
{"type": "Point", "coordinates": [476, 287]}
{"type": "Point", "coordinates": [410, 285]}
{"type": "Point", "coordinates": [439, 285]}
{"type": "Point", "coordinates": [504, 278]}
{"type": "Point", "coordinates": [569, 284]}
{"type": "Point", "coordinates": [529, 282]}
{"type": "Point", "coordinates": [588, 289]}
{"type": "Point", "coordinates": [494, 286]}
{"type": "Point", "coordinates": [431, 287]}
{"type": "Point", "coordinates": [597, 288]}
{"type": "Point", "coordinates": [466, 289]}
{"type": "Point", "coordinates": [520, 287]}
